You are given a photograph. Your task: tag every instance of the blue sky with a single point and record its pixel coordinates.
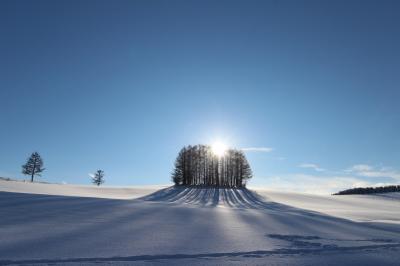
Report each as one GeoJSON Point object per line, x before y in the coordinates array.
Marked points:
{"type": "Point", "coordinates": [311, 86]}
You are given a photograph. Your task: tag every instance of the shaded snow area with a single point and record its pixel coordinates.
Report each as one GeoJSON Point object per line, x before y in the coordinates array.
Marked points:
{"type": "Point", "coordinates": [194, 226]}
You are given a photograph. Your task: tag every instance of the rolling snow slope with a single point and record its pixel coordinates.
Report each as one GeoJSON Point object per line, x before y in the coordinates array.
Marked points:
{"type": "Point", "coordinates": [195, 226]}
{"type": "Point", "coordinates": [77, 190]}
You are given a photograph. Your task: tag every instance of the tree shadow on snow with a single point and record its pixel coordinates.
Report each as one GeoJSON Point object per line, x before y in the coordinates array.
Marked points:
{"type": "Point", "coordinates": [240, 198]}
{"type": "Point", "coordinates": [315, 250]}
{"type": "Point", "coordinates": [245, 199]}
{"type": "Point", "coordinates": [65, 209]}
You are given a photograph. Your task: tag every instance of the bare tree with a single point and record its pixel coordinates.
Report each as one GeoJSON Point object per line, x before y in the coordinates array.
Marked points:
{"type": "Point", "coordinates": [198, 165]}
{"type": "Point", "coordinates": [98, 177]}
{"type": "Point", "coordinates": [179, 170]}
{"type": "Point", "coordinates": [34, 166]}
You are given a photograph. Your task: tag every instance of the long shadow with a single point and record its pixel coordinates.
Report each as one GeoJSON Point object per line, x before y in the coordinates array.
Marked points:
{"type": "Point", "coordinates": [128, 212]}
{"type": "Point", "coordinates": [245, 199]}
{"type": "Point", "coordinates": [245, 254]}
{"type": "Point", "coordinates": [240, 198]}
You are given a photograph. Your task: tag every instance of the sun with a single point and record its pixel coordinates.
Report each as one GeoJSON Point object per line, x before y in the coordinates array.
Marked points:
{"type": "Point", "coordinates": [218, 148]}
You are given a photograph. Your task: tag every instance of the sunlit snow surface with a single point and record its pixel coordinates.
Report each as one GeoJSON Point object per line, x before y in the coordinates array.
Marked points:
{"type": "Point", "coordinates": [193, 226]}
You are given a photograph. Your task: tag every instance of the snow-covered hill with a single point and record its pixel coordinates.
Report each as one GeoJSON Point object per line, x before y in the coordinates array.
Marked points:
{"type": "Point", "coordinates": [48, 224]}
{"type": "Point", "coordinates": [77, 190]}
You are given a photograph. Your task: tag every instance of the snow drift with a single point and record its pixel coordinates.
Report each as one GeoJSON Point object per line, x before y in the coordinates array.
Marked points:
{"type": "Point", "coordinates": [195, 226]}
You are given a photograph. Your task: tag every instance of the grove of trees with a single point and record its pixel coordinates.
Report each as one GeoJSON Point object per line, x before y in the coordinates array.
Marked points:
{"type": "Point", "coordinates": [369, 190]}
{"type": "Point", "coordinates": [198, 165]}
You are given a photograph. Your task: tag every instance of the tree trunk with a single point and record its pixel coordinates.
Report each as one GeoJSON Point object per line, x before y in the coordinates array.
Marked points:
{"type": "Point", "coordinates": [33, 172]}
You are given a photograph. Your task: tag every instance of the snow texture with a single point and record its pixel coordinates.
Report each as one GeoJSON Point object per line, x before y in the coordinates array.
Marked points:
{"type": "Point", "coordinates": [48, 224]}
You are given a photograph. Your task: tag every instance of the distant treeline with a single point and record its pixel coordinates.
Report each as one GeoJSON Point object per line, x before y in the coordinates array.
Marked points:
{"type": "Point", "coordinates": [369, 190]}
{"type": "Point", "coordinates": [198, 165]}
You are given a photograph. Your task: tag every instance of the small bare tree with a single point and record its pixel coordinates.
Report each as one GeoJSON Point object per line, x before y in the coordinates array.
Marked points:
{"type": "Point", "coordinates": [98, 177]}
{"type": "Point", "coordinates": [34, 166]}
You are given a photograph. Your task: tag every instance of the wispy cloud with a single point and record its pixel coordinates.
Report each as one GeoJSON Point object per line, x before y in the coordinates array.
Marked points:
{"type": "Point", "coordinates": [257, 149]}
{"type": "Point", "coordinates": [312, 166]}
{"type": "Point", "coordinates": [328, 182]}
{"type": "Point", "coordinates": [314, 184]}
{"type": "Point", "coordinates": [371, 171]}
{"type": "Point", "coordinates": [360, 168]}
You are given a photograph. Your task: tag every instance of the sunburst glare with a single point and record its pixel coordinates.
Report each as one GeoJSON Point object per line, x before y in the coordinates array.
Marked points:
{"type": "Point", "coordinates": [219, 148]}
